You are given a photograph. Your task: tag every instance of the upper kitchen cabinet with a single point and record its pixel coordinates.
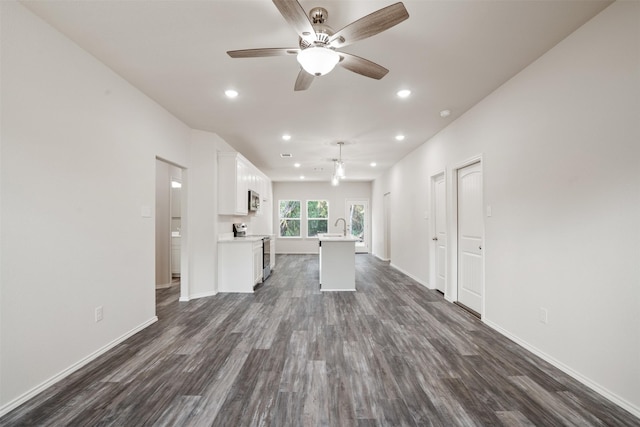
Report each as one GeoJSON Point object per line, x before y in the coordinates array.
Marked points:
{"type": "Point", "coordinates": [236, 176]}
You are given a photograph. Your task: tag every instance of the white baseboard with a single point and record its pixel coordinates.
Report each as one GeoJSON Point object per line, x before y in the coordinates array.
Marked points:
{"type": "Point", "coordinates": [71, 369]}
{"type": "Point", "coordinates": [567, 370]}
{"type": "Point", "coordinates": [425, 284]}
{"type": "Point", "coordinates": [380, 258]}
{"type": "Point", "coordinates": [200, 295]}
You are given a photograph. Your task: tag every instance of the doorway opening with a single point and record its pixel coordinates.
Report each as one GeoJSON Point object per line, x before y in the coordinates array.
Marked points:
{"type": "Point", "coordinates": [439, 232]}
{"type": "Point", "coordinates": [169, 230]}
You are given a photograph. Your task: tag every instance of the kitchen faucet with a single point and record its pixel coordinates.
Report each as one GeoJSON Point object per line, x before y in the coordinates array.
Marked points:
{"type": "Point", "coordinates": [344, 229]}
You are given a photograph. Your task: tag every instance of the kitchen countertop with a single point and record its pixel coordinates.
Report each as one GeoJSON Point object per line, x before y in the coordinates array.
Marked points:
{"type": "Point", "coordinates": [247, 239]}
{"type": "Point", "coordinates": [336, 238]}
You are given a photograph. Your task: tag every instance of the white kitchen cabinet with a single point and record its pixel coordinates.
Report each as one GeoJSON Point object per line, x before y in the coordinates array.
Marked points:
{"type": "Point", "coordinates": [239, 264]}
{"type": "Point", "coordinates": [257, 262]}
{"type": "Point", "coordinates": [236, 176]}
{"type": "Point", "coordinates": [337, 263]}
{"type": "Point", "coordinates": [233, 184]}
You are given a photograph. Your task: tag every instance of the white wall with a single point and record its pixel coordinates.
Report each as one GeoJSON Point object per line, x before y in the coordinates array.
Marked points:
{"type": "Point", "coordinates": [561, 161]}
{"type": "Point", "coordinates": [79, 147]}
{"type": "Point", "coordinates": [303, 191]}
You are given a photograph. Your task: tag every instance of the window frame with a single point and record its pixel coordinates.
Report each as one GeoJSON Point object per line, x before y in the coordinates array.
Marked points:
{"type": "Point", "coordinates": [307, 218]}
{"type": "Point", "coordinates": [281, 218]}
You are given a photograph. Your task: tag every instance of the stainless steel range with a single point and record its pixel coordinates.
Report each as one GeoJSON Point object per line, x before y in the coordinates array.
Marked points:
{"type": "Point", "coordinates": [240, 229]}
{"type": "Point", "coordinates": [266, 257]}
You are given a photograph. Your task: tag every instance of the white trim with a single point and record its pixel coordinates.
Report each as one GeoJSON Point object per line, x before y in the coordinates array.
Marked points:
{"type": "Point", "coordinates": [201, 295]}
{"type": "Point", "coordinates": [380, 258]}
{"type": "Point", "coordinates": [423, 283]}
{"type": "Point", "coordinates": [368, 242]}
{"type": "Point", "coordinates": [432, 228]}
{"type": "Point", "coordinates": [451, 283]}
{"type": "Point", "coordinates": [625, 404]}
{"type": "Point", "coordinates": [71, 369]}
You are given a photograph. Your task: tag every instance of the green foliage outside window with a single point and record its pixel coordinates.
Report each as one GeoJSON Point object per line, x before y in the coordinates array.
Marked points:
{"type": "Point", "coordinates": [317, 217]}
{"type": "Point", "coordinates": [356, 220]}
{"type": "Point", "coordinates": [289, 218]}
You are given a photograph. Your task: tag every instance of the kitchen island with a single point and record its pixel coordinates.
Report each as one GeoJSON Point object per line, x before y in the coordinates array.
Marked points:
{"type": "Point", "coordinates": [337, 262]}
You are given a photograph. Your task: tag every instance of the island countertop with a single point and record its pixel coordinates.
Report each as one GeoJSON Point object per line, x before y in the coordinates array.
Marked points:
{"type": "Point", "coordinates": [332, 237]}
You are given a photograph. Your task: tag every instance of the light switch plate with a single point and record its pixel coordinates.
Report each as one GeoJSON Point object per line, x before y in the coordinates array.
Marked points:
{"type": "Point", "coordinates": [145, 211]}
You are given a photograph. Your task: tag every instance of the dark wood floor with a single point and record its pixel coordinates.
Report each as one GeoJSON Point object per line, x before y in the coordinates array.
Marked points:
{"type": "Point", "coordinates": [393, 353]}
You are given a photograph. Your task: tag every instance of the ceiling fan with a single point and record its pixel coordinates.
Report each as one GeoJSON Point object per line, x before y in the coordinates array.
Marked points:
{"type": "Point", "coordinates": [317, 42]}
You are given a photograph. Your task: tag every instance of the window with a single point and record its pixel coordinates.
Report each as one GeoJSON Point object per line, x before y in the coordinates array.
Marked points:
{"type": "Point", "coordinates": [317, 217]}
{"type": "Point", "coordinates": [289, 218]}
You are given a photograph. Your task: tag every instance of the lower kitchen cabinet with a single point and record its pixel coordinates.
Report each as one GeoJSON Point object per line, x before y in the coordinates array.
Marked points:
{"type": "Point", "coordinates": [239, 264]}
{"type": "Point", "coordinates": [257, 262]}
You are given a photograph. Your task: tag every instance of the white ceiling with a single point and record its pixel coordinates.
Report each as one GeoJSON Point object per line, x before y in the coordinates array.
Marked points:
{"type": "Point", "coordinates": [449, 53]}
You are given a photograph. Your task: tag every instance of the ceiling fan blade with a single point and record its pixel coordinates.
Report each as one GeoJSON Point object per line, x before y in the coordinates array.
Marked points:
{"type": "Point", "coordinates": [257, 53]}
{"type": "Point", "coordinates": [303, 81]}
{"type": "Point", "coordinates": [370, 25]}
{"type": "Point", "coordinates": [362, 66]}
{"type": "Point", "coordinates": [295, 15]}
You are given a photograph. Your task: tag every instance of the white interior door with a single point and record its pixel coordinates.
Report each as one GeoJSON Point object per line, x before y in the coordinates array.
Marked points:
{"type": "Point", "coordinates": [440, 231]}
{"type": "Point", "coordinates": [358, 224]}
{"type": "Point", "coordinates": [470, 237]}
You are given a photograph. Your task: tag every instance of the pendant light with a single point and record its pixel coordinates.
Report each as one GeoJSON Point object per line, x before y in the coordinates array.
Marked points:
{"type": "Point", "coordinates": [338, 168]}
{"type": "Point", "coordinates": [340, 163]}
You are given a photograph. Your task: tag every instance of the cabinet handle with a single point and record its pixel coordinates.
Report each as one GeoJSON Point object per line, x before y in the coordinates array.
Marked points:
{"type": "Point", "coordinates": [435, 239]}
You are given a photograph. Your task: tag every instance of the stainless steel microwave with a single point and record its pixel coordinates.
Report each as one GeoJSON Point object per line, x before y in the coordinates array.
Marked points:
{"type": "Point", "coordinates": [254, 201]}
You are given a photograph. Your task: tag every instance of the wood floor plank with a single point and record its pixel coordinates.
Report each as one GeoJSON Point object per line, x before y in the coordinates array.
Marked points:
{"type": "Point", "coordinates": [391, 354]}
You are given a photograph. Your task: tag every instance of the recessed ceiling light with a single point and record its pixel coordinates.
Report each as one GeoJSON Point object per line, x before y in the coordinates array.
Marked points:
{"type": "Point", "coordinates": [373, 164]}
{"type": "Point", "coordinates": [445, 113]}
{"type": "Point", "coordinates": [403, 93]}
{"type": "Point", "coordinates": [231, 93]}
{"type": "Point", "coordinates": [301, 176]}
{"type": "Point", "coordinates": [296, 165]}
{"type": "Point", "coordinates": [286, 137]}
{"type": "Point", "coordinates": [399, 137]}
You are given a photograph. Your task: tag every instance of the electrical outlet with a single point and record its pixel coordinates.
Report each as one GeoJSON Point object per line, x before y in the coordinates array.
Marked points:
{"type": "Point", "coordinates": [544, 315]}
{"type": "Point", "coordinates": [98, 313]}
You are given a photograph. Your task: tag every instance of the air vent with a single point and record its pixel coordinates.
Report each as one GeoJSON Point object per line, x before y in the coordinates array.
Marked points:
{"type": "Point", "coordinates": [286, 155]}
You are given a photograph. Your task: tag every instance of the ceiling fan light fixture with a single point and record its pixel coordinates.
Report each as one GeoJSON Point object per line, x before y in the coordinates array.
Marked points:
{"type": "Point", "coordinates": [318, 60]}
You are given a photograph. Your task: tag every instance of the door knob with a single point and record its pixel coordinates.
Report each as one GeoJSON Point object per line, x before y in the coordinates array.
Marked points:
{"type": "Point", "coordinates": [480, 247]}
{"type": "Point", "coordinates": [435, 238]}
